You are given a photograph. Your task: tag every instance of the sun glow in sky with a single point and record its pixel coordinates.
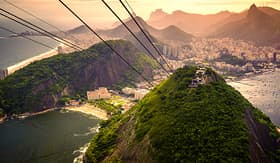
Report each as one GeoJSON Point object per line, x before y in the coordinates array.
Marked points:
{"type": "Point", "coordinates": [94, 11]}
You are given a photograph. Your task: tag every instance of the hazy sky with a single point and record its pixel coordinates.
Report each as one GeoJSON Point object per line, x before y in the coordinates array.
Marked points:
{"type": "Point", "coordinates": [94, 11]}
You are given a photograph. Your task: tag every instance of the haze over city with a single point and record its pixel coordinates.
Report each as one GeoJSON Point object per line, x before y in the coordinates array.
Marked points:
{"type": "Point", "coordinates": [149, 81]}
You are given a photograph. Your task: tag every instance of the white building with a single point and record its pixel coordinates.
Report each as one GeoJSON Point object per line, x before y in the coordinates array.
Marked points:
{"type": "Point", "coordinates": [100, 93]}
{"type": "Point", "coordinates": [128, 91]}
{"type": "Point", "coordinates": [139, 94]}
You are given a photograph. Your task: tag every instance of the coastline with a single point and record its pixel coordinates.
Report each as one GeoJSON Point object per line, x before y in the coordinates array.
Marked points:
{"type": "Point", "coordinates": [238, 79]}
{"type": "Point", "coordinates": [252, 75]}
{"type": "Point", "coordinates": [25, 115]}
{"type": "Point", "coordinates": [85, 108]}
{"type": "Point", "coordinates": [90, 110]}
{"type": "Point", "coordinates": [24, 63]}
{"type": "Point", "coordinates": [82, 151]}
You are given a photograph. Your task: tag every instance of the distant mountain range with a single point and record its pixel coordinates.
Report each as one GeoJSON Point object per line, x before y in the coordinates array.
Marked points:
{"type": "Point", "coordinates": [169, 34]}
{"type": "Point", "coordinates": [258, 24]}
{"type": "Point", "coordinates": [195, 24]}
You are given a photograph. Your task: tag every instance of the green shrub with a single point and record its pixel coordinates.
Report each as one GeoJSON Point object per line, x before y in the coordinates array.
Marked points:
{"type": "Point", "coordinates": [203, 124]}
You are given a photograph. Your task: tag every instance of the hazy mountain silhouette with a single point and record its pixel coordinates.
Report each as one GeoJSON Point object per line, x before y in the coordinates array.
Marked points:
{"type": "Point", "coordinates": [242, 15]}
{"type": "Point", "coordinates": [170, 33]}
{"type": "Point", "coordinates": [260, 25]}
{"type": "Point", "coordinates": [195, 24]}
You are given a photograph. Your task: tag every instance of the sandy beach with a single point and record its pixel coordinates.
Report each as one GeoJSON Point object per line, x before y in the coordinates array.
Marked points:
{"type": "Point", "coordinates": [85, 108]}
{"type": "Point", "coordinates": [27, 114]}
{"type": "Point", "coordinates": [91, 110]}
{"type": "Point", "coordinates": [26, 62]}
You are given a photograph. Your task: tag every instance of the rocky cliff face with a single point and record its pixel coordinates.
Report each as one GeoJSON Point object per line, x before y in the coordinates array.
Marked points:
{"type": "Point", "coordinates": [41, 84]}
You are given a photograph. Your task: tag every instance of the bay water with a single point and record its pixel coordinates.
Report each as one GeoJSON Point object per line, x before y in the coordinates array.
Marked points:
{"type": "Point", "coordinates": [55, 136]}
{"type": "Point", "coordinates": [16, 49]}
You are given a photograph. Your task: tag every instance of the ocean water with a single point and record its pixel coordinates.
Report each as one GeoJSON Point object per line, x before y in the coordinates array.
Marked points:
{"type": "Point", "coordinates": [52, 137]}
{"type": "Point", "coordinates": [16, 49]}
{"type": "Point", "coordinates": [263, 91]}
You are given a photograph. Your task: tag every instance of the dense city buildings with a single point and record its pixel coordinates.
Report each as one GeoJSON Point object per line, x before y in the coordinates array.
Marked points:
{"type": "Point", "coordinates": [227, 56]}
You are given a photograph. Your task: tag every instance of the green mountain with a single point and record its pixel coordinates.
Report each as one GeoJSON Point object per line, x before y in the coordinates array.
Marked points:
{"type": "Point", "coordinates": [176, 123]}
{"type": "Point", "coordinates": [42, 84]}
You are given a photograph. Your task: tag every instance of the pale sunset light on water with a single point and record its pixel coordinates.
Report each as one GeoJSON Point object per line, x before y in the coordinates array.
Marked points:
{"type": "Point", "coordinates": [154, 81]}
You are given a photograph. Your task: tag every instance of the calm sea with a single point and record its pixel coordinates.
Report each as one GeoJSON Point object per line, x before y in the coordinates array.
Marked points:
{"type": "Point", "coordinates": [17, 49]}
{"type": "Point", "coordinates": [52, 137]}
{"type": "Point", "coordinates": [264, 92]}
